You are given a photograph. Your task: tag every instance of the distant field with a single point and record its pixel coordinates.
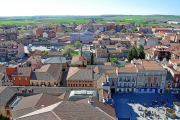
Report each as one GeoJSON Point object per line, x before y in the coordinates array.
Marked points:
{"type": "Point", "coordinates": [145, 20]}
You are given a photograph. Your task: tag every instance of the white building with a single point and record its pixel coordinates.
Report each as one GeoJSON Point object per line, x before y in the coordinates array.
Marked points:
{"type": "Point", "coordinates": [45, 35]}
{"type": "Point", "coordinates": [152, 41]}
{"type": "Point", "coordinates": [127, 77]}
{"type": "Point", "coordinates": [141, 41]}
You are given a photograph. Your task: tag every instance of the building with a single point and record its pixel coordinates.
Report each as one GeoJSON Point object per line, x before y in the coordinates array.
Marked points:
{"type": "Point", "coordinates": [174, 69]}
{"type": "Point", "coordinates": [10, 96]}
{"type": "Point", "coordinates": [8, 34]}
{"type": "Point", "coordinates": [161, 29]}
{"type": "Point", "coordinates": [141, 41]}
{"type": "Point", "coordinates": [145, 29]}
{"type": "Point", "coordinates": [20, 76]}
{"type": "Point", "coordinates": [11, 50]}
{"type": "Point", "coordinates": [158, 52]}
{"type": "Point", "coordinates": [80, 77]}
{"type": "Point", "coordinates": [151, 77]}
{"type": "Point", "coordinates": [152, 41]}
{"type": "Point", "coordinates": [56, 61]}
{"type": "Point", "coordinates": [79, 61]}
{"type": "Point", "coordinates": [84, 109]}
{"type": "Point", "coordinates": [32, 103]}
{"type": "Point", "coordinates": [86, 51]}
{"type": "Point", "coordinates": [127, 78]}
{"type": "Point", "coordinates": [34, 62]}
{"type": "Point", "coordinates": [85, 37]}
{"type": "Point", "coordinates": [115, 52]}
{"type": "Point", "coordinates": [38, 31]}
{"type": "Point", "coordinates": [49, 34]}
{"type": "Point", "coordinates": [48, 75]}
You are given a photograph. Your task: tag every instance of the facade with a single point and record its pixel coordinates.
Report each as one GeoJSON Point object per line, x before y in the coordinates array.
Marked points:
{"type": "Point", "coordinates": [151, 77]}
{"type": "Point", "coordinates": [127, 78]}
{"type": "Point", "coordinates": [11, 50]}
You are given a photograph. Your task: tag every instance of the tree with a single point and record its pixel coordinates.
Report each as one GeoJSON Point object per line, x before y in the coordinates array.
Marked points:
{"type": "Point", "coordinates": [134, 53]}
{"type": "Point", "coordinates": [108, 58]}
{"type": "Point", "coordinates": [65, 31]}
{"type": "Point", "coordinates": [3, 117]}
{"type": "Point", "coordinates": [77, 44]}
{"type": "Point", "coordinates": [81, 51]}
{"type": "Point", "coordinates": [141, 53]}
{"type": "Point", "coordinates": [123, 31]}
{"type": "Point", "coordinates": [92, 59]}
{"type": "Point", "coordinates": [134, 30]}
{"type": "Point", "coordinates": [22, 31]}
{"type": "Point", "coordinates": [114, 60]}
{"type": "Point", "coordinates": [129, 56]}
{"type": "Point", "coordinates": [72, 46]}
{"type": "Point", "coordinates": [38, 36]}
{"type": "Point", "coordinates": [68, 50]}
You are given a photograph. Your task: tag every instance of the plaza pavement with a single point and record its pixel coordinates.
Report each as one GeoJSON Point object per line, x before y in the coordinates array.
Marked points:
{"type": "Point", "coordinates": [123, 105]}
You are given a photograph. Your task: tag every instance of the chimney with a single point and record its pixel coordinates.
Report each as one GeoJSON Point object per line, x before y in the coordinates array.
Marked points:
{"type": "Point", "coordinates": [90, 100]}
{"type": "Point", "coordinates": [42, 106]}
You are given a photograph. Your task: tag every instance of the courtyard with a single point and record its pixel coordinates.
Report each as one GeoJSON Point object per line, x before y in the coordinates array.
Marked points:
{"type": "Point", "coordinates": [125, 109]}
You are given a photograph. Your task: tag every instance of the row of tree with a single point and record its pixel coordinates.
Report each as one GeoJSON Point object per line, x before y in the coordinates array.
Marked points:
{"type": "Point", "coordinates": [125, 30]}
{"type": "Point", "coordinates": [137, 53]}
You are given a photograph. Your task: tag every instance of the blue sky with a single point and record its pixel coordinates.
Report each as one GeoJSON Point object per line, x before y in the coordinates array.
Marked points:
{"type": "Point", "coordinates": [88, 7]}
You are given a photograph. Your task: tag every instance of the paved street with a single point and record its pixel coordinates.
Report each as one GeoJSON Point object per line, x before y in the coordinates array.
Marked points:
{"type": "Point", "coordinates": [123, 106]}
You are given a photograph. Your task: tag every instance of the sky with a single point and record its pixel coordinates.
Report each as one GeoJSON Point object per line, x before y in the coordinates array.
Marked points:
{"type": "Point", "coordinates": [88, 7]}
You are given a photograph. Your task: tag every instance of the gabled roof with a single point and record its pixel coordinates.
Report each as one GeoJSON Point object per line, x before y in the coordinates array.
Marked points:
{"type": "Point", "coordinates": [76, 73]}
{"type": "Point", "coordinates": [55, 60]}
{"type": "Point", "coordinates": [67, 110]}
{"type": "Point", "coordinates": [36, 101]}
{"type": "Point", "coordinates": [79, 60]}
{"type": "Point", "coordinates": [109, 109]}
{"type": "Point", "coordinates": [51, 72]}
{"type": "Point", "coordinates": [5, 95]}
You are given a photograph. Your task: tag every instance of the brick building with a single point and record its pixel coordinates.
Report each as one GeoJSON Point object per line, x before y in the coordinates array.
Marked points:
{"type": "Point", "coordinates": [20, 75]}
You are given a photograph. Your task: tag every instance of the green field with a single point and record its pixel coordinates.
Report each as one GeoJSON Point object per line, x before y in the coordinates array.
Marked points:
{"type": "Point", "coordinates": [138, 19]}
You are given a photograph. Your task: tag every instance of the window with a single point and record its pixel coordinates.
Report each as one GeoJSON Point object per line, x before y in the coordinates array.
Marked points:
{"type": "Point", "coordinates": [19, 79]}
{"type": "Point", "coordinates": [162, 84]}
{"type": "Point", "coordinates": [146, 78]}
{"type": "Point", "coordinates": [159, 73]}
{"type": "Point", "coordinates": [8, 113]}
{"type": "Point", "coordinates": [164, 73]}
{"type": "Point", "coordinates": [175, 84]}
{"type": "Point", "coordinates": [14, 78]}
{"type": "Point", "coordinates": [153, 74]}
{"type": "Point", "coordinates": [146, 73]}
{"type": "Point", "coordinates": [79, 85]}
{"type": "Point", "coordinates": [176, 79]}
{"type": "Point", "coordinates": [26, 79]}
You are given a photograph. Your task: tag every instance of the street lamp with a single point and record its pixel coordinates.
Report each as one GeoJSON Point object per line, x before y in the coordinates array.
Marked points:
{"type": "Point", "coordinates": [169, 83]}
